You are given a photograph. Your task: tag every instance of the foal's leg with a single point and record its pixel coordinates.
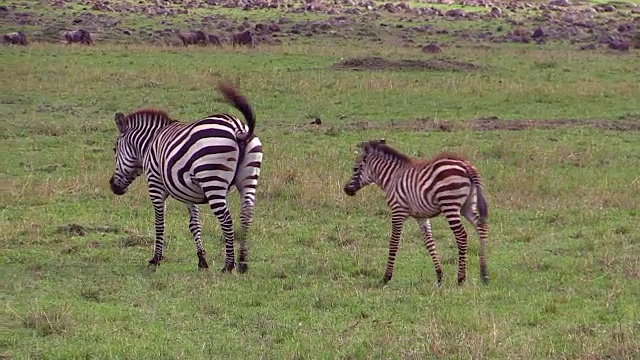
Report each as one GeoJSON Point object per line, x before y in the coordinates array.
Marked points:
{"type": "Point", "coordinates": [482, 229]}
{"type": "Point", "coordinates": [398, 218]}
{"type": "Point", "coordinates": [425, 225]}
{"type": "Point", "coordinates": [452, 215]}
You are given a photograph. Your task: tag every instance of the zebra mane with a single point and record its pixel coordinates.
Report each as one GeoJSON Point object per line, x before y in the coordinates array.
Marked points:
{"type": "Point", "coordinates": [447, 155]}
{"type": "Point", "coordinates": [151, 114]}
{"type": "Point", "coordinates": [384, 149]}
{"type": "Point", "coordinates": [387, 150]}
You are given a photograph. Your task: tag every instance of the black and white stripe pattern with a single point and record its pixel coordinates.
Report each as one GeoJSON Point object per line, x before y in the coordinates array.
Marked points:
{"type": "Point", "coordinates": [195, 163]}
{"type": "Point", "coordinates": [447, 184]}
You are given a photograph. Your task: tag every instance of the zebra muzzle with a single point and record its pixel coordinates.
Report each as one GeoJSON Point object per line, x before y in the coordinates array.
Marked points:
{"type": "Point", "coordinates": [350, 190]}
{"type": "Point", "coordinates": [118, 190]}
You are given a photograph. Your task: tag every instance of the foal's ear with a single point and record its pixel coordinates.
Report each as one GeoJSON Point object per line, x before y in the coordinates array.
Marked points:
{"type": "Point", "coordinates": [121, 122]}
{"type": "Point", "coordinates": [383, 141]}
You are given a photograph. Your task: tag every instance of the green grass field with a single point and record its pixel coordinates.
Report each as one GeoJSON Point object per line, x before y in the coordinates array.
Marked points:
{"type": "Point", "coordinates": [564, 208]}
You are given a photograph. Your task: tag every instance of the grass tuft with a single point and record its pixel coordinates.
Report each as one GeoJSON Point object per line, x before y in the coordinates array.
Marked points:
{"type": "Point", "coordinates": [54, 321]}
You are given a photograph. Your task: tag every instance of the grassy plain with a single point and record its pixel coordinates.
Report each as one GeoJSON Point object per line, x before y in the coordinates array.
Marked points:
{"type": "Point", "coordinates": [564, 213]}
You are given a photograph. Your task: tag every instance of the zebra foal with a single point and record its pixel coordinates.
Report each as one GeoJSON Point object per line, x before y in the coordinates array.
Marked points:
{"type": "Point", "coordinates": [446, 184]}
{"type": "Point", "coordinates": [196, 163]}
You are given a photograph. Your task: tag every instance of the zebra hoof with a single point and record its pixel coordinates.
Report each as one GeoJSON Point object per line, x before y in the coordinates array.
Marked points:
{"type": "Point", "coordinates": [202, 262]}
{"type": "Point", "coordinates": [386, 278]}
{"type": "Point", "coordinates": [461, 281]}
{"type": "Point", "coordinates": [485, 280]}
{"type": "Point", "coordinates": [155, 260]}
{"type": "Point", "coordinates": [243, 267]}
{"type": "Point", "coordinates": [227, 269]}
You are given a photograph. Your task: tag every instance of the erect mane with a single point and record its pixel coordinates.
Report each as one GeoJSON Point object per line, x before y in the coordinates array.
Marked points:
{"type": "Point", "coordinates": [386, 150]}
{"type": "Point", "coordinates": [447, 155]}
{"type": "Point", "coordinates": [149, 113]}
{"type": "Point", "coordinates": [389, 151]}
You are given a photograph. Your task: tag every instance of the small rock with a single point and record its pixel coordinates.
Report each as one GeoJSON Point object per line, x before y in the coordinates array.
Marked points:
{"type": "Point", "coordinates": [538, 33]}
{"type": "Point", "coordinates": [625, 28]}
{"type": "Point", "coordinates": [495, 13]}
{"type": "Point", "coordinates": [456, 13]}
{"type": "Point", "coordinates": [619, 45]}
{"type": "Point", "coordinates": [431, 49]}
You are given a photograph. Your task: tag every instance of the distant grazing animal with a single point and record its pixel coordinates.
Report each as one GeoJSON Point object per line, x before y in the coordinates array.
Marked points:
{"type": "Point", "coordinates": [423, 189]}
{"type": "Point", "coordinates": [81, 36]}
{"type": "Point", "coordinates": [193, 37]}
{"type": "Point", "coordinates": [18, 38]}
{"type": "Point", "coordinates": [243, 38]}
{"type": "Point", "coordinates": [214, 40]}
{"type": "Point", "coordinates": [199, 162]}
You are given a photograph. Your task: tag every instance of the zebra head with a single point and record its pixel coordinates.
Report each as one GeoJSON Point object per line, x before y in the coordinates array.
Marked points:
{"type": "Point", "coordinates": [128, 165]}
{"type": "Point", "coordinates": [362, 175]}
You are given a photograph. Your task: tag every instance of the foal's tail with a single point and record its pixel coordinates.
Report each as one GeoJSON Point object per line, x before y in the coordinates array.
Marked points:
{"type": "Point", "coordinates": [481, 203]}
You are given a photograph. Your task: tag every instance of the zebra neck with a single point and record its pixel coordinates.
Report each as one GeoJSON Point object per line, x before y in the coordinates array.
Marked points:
{"type": "Point", "coordinates": [386, 173]}
{"type": "Point", "coordinates": [144, 139]}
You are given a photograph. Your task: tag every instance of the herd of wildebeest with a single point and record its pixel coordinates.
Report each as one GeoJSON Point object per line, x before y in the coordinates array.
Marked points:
{"type": "Point", "coordinates": [198, 37]}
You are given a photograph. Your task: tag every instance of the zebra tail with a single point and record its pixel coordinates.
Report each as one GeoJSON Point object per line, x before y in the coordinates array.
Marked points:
{"type": "Point", "coordinates": [481, 204]}
{"type": "Point", "coordinates": [238, 101]}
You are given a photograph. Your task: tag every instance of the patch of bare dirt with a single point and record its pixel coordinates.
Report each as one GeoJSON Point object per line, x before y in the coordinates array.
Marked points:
{"type": "Point", "coordinates": [487, 124]}
{"type": "Point", "coordinates": [130, 239]}
{"type": "Point", "coordinates": [81, 230]}
{"type": "Point", "coordinates": [496, 124]}
{"type": "Point", "coordinates": [136, 240]}
{"type": "Point", "coordinates": [379, 63]}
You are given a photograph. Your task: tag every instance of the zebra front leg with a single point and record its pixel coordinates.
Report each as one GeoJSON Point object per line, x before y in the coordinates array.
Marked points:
{"type": "Point", "coordinates": [461, 240]}
{"type": "Point", "coordinates": [425, 224]}
{"type": "Point", "coordinates": [397, 221]}
{"type": "Point", "coordinates": [196, 231]}
{"type": "Point", "coordinates": [158, 201]}
{"type": "Point", "coordinates": [220, 209]}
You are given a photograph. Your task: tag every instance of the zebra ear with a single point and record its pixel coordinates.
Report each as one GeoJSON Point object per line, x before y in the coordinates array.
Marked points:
{"type": "Point", "coordinates": [120, 122]}
{"type": "Point", "coordinates": [383, 141]}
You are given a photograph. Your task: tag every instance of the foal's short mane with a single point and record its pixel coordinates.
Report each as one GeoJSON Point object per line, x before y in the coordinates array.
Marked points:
{"type": "Point", "coordinates": [154, 114]}
{"type": "Point", "coordinates": [447, 155]}
{"type": "Point", "coordinates": [389, 151]}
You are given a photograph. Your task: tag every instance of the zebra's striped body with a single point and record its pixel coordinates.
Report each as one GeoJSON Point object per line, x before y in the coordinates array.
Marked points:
{"type": "Point", "coordinates": [447, 185]}
{"type": "Point", "coordinates": [195, 163]}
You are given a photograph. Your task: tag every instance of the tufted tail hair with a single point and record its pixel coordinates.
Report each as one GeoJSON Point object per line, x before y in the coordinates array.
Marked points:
{"type": "Point", "coordinates": [232, 96]}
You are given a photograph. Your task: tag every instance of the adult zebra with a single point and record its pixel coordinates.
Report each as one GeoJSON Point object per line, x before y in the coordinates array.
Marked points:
{"type": "Point", "coordinates": [424, 189]}
{"type": "Point", "coordinates": [195, 163]}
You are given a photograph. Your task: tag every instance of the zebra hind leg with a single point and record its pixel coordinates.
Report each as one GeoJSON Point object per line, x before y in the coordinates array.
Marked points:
{"type": "Point", "coordinates": [455, 224]}
{"type": "Point", "coordinates": [196, 232]}
{"type": "Point", "coordinates": [219, 207]}
{"type": "Point", "coordinates": [246, 217]}
{"type": "Point", "coordinates": [482, 230]}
